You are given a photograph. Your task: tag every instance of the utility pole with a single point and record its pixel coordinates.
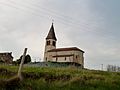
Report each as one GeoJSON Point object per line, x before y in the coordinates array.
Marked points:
{"type": "Point", "coordinates": [21, 64]}
{"type": "Point", "coordinates": [102, 67]}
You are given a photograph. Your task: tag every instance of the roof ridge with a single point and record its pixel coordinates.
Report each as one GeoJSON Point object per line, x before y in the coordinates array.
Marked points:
{"type": "Point", "coordinates": [66, 49]}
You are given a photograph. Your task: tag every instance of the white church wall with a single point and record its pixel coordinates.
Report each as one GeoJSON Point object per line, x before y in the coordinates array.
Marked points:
{"type": "Point", "coordinates": [76, 56]}
{"type": "Point", "coordinates": [62, 59]}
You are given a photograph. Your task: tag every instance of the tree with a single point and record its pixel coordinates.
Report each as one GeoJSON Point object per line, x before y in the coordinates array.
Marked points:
{"type": "Point", "coordinates": [27, 59]}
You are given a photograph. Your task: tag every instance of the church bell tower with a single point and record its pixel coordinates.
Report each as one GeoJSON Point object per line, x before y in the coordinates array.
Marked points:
{"type": "Point", "coordinates": [50, 42]}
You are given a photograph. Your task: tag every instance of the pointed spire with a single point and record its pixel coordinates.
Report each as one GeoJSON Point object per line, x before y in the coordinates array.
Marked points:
{"type": "Point", "coordinates": [51, 34]}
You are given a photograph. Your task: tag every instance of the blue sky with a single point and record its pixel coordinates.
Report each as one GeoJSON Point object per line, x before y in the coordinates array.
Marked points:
{"type": "Point", "coordinates": [92, 25]}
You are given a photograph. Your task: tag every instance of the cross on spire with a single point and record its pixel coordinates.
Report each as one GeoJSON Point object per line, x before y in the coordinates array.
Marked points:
{"type": "Point", "coordinates": [52, 21]}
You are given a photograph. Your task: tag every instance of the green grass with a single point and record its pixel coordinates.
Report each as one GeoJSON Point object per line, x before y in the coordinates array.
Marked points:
{"type": "Point", "coordinates": [36, 78]}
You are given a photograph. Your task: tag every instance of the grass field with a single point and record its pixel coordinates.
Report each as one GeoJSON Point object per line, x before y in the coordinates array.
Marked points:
{"type": "Point", "coordinates": [36, 78]}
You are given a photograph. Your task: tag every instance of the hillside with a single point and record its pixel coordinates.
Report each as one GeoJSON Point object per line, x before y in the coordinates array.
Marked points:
{"type": "Point", "coordinates": [36, 78]}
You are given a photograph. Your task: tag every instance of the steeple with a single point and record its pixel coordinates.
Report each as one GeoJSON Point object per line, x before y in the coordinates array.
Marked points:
{"type": "Point", "coordinates": [51, 34]}
{"type": "Point", "coordinates": [50, 41]}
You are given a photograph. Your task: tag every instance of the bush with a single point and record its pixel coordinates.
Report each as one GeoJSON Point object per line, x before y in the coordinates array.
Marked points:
{"type": "Point", "coordinates": [27, 60]}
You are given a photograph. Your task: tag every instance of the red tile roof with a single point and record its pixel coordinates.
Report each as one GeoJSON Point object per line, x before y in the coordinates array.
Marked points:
{"type": "Point", "coordinates": [66, 49]}
{"type": "Point", "coordinates": [63, 55]}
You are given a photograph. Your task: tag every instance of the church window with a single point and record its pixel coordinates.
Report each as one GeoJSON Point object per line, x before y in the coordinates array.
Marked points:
{"type": "Point", "coordinates": [48, 42]}
{"type": "Point", "coordinates": [56, 59]}
{"type": "Point", "coordinates": [65, 58]}
{"type": "Point", "coordinates": [76, 57]}
{"type": "Point", "coordinates": [54, 43]}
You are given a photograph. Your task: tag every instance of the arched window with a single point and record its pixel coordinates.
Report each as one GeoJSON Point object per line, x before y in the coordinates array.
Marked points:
{"type": "Point", "coordinates": [48, 42]}
{"type": "Point", "coordinates": [53, 43]}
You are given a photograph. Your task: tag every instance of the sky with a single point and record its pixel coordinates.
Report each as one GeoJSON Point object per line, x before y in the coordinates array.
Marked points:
{"type": "Point", "coordinates": [91, 25]}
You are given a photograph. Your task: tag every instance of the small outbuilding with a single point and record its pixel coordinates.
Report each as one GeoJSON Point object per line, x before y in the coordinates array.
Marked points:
{"type": "Point", "coordinates": [6, 57]}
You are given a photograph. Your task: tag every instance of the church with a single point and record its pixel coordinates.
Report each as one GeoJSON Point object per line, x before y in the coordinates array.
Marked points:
{"type": "Point", "coordinates": [69, 54]}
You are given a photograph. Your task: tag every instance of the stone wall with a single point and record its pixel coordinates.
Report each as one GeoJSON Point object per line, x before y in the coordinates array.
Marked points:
{"type": "Point", "coordinates": [66, 56]}
{"type": "Point", "coordinates": [6, 57]}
